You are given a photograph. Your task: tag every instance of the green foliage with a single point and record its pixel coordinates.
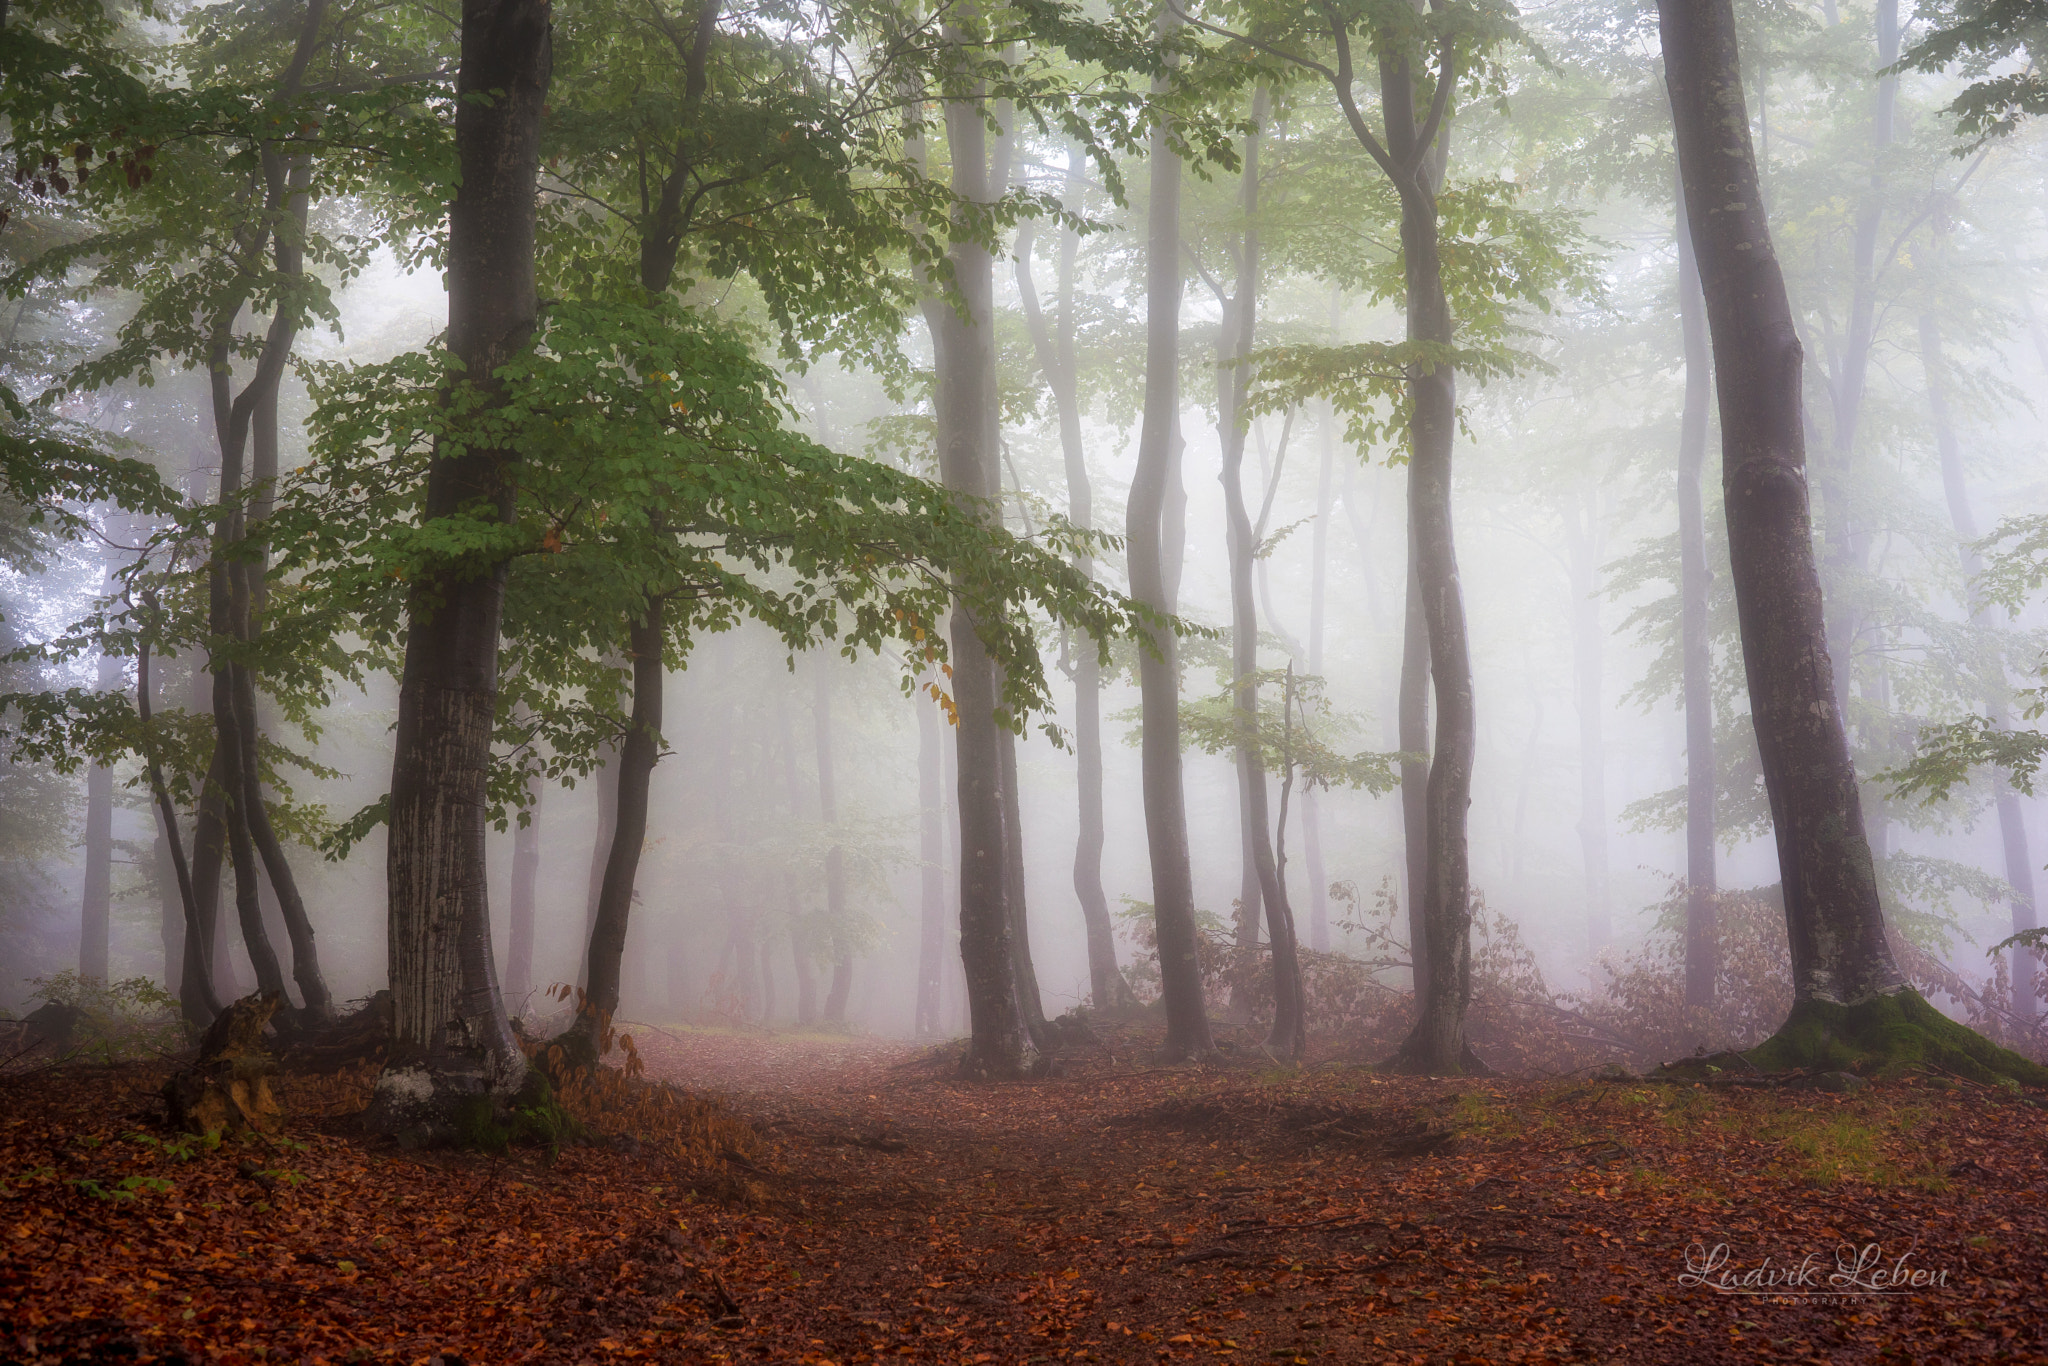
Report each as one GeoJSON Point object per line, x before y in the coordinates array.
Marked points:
{"type": "Point", "coordinates": [119, 1021]}
{"type": "Point", "coordinates": [1978, 35]}
{"type": "Point", "coordinates": [1290, 733]}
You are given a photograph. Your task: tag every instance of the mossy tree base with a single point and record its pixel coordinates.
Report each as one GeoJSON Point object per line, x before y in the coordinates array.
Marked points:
{"type": "Point", "coordinates": [1887, 1034]}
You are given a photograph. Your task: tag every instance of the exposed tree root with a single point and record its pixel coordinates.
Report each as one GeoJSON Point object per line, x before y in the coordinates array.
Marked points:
{"type": "Point", "coordinates": [1887, 1034]}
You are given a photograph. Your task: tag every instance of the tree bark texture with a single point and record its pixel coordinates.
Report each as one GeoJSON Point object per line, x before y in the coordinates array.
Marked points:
{"type": "Point", "coordinates": [1166, 825]}
{"type": "Point", "coordinates": [451, 1035]}
{"type": "Point", "coordinates": [2012, 825]}
{"type": "Point", "coordinates": [1833, 918]}
{"type": "Point", "coordinates": [1696, 651]}
{"type": "Point", "coordinates": [1319, 573]}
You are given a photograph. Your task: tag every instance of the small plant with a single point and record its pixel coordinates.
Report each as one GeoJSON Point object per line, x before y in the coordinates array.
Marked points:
{"type": "Point", "coordinates": [117, 1021]}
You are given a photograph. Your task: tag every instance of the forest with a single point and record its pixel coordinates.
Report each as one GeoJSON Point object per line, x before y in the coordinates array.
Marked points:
{"type": "Point", "coordinates": [1010, 680]}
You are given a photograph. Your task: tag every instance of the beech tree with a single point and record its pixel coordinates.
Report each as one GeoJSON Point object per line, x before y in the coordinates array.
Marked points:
{"type": "Point", "coordinates": [1850, 998]}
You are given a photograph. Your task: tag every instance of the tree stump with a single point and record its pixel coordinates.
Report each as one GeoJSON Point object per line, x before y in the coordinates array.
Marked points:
{"type": "Point", "coordinates": [229, 1087]}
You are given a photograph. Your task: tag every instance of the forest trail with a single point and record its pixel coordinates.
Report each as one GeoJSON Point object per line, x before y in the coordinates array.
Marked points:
{"type": "Point", "coordinates": [1117, 1213]}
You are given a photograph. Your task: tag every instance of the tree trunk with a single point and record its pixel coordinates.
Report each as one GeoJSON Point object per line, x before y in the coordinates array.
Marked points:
{"type": "Point", "coordinates": [1054, 346]}
{"type": "Point", "coordinates": [1437, 1042]}
{"type": "Point", "coordinates": [2012, 825]}
{"type": "Point", "coordinates": [835, 857]}
{"type": "Point", "coordinates": [1030, 1001]}
{"type": "Point", "coordinates": [451, 1040]}
{"type": "Point", "coordinates": [1146, 528]}
{"type": "Point", "coordinates": [1582, 525]}
{"type": "Point", "coordinates": [607, 783]}
{"type": "Point", "coordinates": [525, 880]}
{"type": "Point", "coordinates": [197, 1001]}
{"type": "Point", "coordinates": [931, 852]}
{"type": "Point", "coordinates": [1833, 919]}
{"type": "Point", "coordinates": [1412, 711]}
{"type": "Point", "coordinates": [96, 916]}
{"type": "Point", "coordinates": [1240, 326]}
{"type": "Point", "coordinates": [1694, 580]}
{"type": "Point", "coordinates": [964, 359]}
{"type": "Point", "coordinates": [1847, 538]}
{"type": "Point", "coordinates": [639, 751]}
{"type": "Point", "coordinates": [1319, 573]}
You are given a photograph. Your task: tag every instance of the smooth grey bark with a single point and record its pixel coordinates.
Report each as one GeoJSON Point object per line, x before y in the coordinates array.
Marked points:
{"type": "Point", "coordinates": [2012, 825]}
{"type": "Point", "coordinates": [931, 852]}
{"type": "Point", "coordinates": [1695, 580]}
{"type": "Point", "coordinates": [526, 842]}
{"type": "Point", "coordinates": [451, 1038]}
{"type": "Point", "coordinates": [1054, 346]}
{"type": "Point", "coordinates": [1030, 1001]}
{"type": "Point", "coordinates": [1147, 527]}
{"type": "Point", "coordinates": [1585, 545]}
{"type": "Point", "coordinates": [97, 911]}
{"type": "Point", "coordinates": [964, 360]}
{"type": "Point", "coordinates": [1240, 326]}
{"type": "Point", "coordinates": [835, 857]}
{"type": "Point", "coordinates": [1411, 706]}
{"type": "Point", "coordinates": [1832, 914]}
{"type": "Point", "coordinates": [1414, 157]}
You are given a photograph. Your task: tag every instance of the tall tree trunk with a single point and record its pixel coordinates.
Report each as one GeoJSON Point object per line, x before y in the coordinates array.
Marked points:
{"type": "Point", "coordinates": [835, 857]}
{"type": "Point", "coordinates": [1412, 712]}
{"type": "Point", "coordinates": [1848, 540]}
{"type": "Point", "coordinates": [95, 928]}
{"type": "Point", "coordinates": [1582, 524]}
{"type": "Point", "coordinates": [964, 358]}
{"type": "Point", "coordinates": [519, 982]}
{"type": "Point", "coordinates": [1833, 919]}
{"type": "Point", "coordinates": [451, 1039]}
{"type": "Point", "coordinates": [1239, 332]}
{"type": "Point", "coordinates": [1166, 825]}
{"type": "Point", "coordinates": [931, 852]}
{"type": "Point", "coordinates": [1054, 346]}
{"type": "Point", "coordinates": [607, 784]}
{"type": "Point", "coordinates": [1696, 651]}
{"type": "Point", "coordinates": [196, 999]}
{"type": "Point", "coordinates": [1319, 573]}
{"type": "Point", "coordinates": [1436, 1044]}
{"type": "Point", "coordinates": [1030, 1001]}
{"type": "Point", "coordinates": [2012, 825]}
{"type": "Point", "coordinates": [639, 751]}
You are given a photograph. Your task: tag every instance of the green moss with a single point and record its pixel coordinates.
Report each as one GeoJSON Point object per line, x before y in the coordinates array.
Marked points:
{"type": "Point", "coordinates": [1887, 1034]}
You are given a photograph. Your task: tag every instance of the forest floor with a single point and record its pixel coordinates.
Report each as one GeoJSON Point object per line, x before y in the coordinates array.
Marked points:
{"type": "Point", "coordinates": [884, 1211]}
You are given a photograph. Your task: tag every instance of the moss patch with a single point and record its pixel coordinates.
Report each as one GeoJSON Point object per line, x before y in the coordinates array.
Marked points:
{"type": "Point", "coordinates": [1887, 1034]}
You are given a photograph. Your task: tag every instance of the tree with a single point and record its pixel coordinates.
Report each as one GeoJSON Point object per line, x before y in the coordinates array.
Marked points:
{"type": "Point", "coordinates": [1849, 995]}
{"type": "Point", "coordinates": [452, 1043]}
{"type": "Point", "coordinates": [1145, 538]}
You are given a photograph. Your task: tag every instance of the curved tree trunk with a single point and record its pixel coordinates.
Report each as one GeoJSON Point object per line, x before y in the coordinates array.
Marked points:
{"type": "Point", "coordinates": [639, 751]}
{"type": "Point", "coordinates": [1166, 826]}
{"type": "Point", "coordinates": [451, 1039]}
{"type": "Point", "coordinates": [1834, 921]}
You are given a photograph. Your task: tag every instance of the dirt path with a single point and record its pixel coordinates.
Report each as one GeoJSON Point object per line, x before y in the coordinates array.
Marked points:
{"type": "Point", "coordinates": [1117, 1214]}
